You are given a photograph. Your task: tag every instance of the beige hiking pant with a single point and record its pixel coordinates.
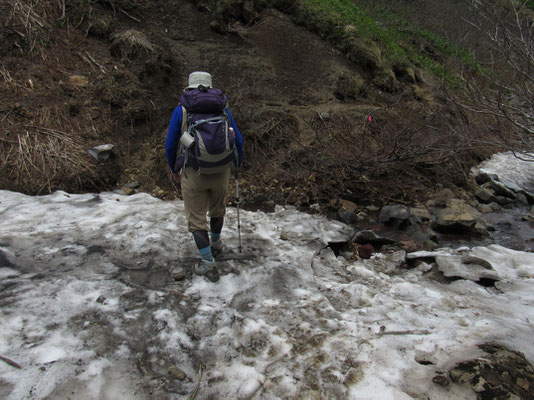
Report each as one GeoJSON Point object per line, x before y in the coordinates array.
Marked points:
{"type": "Point", "coordinates": [204, 194]}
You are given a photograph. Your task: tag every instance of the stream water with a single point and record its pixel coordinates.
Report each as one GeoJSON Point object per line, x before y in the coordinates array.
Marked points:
{"type": "Point", "coordinates": [511, 231]}
{"type": "Point", "coordinates": [511, 228]}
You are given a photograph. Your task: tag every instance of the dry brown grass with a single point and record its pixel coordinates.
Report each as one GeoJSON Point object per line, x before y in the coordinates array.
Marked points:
{"type": "Point", "coordinates": [56, 158]}
{"type": "Point", "coordinates": [43, 146]}
{"type": "Point", "coordinates": [26, 21]}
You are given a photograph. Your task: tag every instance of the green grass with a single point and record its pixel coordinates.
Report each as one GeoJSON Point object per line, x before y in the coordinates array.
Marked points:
{"type": "Point", "coordinates": [332, 16]}
{"type": "Point", "coordinates": [399, 46]}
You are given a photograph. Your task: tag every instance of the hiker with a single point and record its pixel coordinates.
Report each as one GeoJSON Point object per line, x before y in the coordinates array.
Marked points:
{"type": "Point", "coordinates": [203, 111]}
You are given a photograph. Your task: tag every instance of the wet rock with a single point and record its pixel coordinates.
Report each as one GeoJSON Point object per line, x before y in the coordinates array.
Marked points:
{"type": "Point", "coordinates": [485, 195]}
{"type": "Point", "coordinates": [530, 216]}
{"type": "Point", "coordinates": [348, 217]}
{"type": "Point", "coordinates": [483, 176]}
{"type": "Point", "coordinates": [368, 236]}
{"type": "Point", "coordinates": [521, 198]}
{"type": "Point", "coordinates": [484, 208]}
{"type": "Point", "coordinates": [422, 213]}
{"type": "Point", "coordinates": [441, 198]}
{"type": "Point", "coordinates": [460, 217]}
{"type": "Point", "coordinates": [500, 374]}
{"type": "Point", "coordinates": [6, 259]}
{"type": "Point", "coordinates": [495, 207]}
{"type": "Point", "coordinates": [283, 236]}
{"type": "Point", "coordinates": [500, 189]}
{"type": "Point", "coordinates": [503, 200]}
{"type": "Point", "coordinates": [395, 215]}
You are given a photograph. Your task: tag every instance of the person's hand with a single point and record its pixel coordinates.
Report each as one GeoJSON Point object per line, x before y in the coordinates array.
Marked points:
{"type": "Point", "coordinates": [177, 177]}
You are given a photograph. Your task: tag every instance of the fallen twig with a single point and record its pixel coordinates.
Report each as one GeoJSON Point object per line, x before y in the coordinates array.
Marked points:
{"type": "Point", "coordinates": [421, 332]}
{"type": "Point", "coordinates": [10, 362]}
{"type": "Point", "coordinates": [130, 16]}
{"type": "Point", "coordinates": [195, 392]}
{"type": "Point", "coordinates": [94, 61]}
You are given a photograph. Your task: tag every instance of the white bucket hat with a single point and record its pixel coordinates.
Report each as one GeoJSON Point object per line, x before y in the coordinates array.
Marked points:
{"type": "Point", "coordinates": [199, 78]}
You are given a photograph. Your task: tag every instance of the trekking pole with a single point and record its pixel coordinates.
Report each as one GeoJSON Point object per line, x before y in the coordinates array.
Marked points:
{"type": "Point", "coordinates": [237, 201]}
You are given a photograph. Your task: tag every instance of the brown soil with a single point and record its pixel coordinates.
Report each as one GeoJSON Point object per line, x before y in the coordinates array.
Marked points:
{"type": "Point", "coordinates": [301, 105]}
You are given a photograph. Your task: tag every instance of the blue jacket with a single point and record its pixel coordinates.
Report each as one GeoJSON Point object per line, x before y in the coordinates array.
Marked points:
{"type": "Point", "coordinates": [174, 133]}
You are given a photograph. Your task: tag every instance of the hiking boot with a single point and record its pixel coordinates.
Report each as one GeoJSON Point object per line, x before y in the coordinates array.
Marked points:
{"type": "Point", "coordinates": [207, 269]}
{"type": "Point", "coordinates": [217, 248]}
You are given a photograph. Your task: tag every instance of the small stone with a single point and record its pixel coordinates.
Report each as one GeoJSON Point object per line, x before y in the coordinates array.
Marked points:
{"type": "Point", "coordinates": [179, 276]}
{"type": "Point", "coordinates": [441, 380]}
{"type": "Point", "coordinates": [523, 383]}
{"type": "Point", "coordinates": [409, 246]}
{"type": "Point", "coordinates": [430, 245]}
{"type": "Point", "coordinates": [127, 191]}
{"type": "Point", "coordinates": [348, 217]}
{"type": "Point", "coordinates": [362, 216]}
{"type": "Point", "coordinates": [177, 373]}
{"type": "Point", "coordinates": [364, 251]}
{"type": "Point", "coordinates": [132, 185]}
{"type": "Point", "coordinates": [477, 261]}
{"type": "Point", "coordinates": [79, 80]}
{"type": "Point", "coordinates": [283, 236]}
{"type": "Point", "coordinates": [102, 152]}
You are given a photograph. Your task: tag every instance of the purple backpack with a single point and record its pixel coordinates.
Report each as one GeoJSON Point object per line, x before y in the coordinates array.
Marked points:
{"type": "Point", "coordinates": [211, 146]}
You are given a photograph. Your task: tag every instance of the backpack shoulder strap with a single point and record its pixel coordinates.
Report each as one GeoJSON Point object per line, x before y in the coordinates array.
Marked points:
{"type": "Point", "coordinates": [184, 120]}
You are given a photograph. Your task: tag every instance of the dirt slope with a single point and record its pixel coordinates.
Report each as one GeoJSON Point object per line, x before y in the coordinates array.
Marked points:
{"type": "Point", "coordinates": [302, 106]}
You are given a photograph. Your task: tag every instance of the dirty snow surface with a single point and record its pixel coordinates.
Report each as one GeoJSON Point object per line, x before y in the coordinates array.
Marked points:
{"type": "Point", "coordinates": [90, 308]}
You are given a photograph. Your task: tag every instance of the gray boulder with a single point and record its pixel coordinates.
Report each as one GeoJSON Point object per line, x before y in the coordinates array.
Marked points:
{"type": "Point", "coordinates": [396, 216]}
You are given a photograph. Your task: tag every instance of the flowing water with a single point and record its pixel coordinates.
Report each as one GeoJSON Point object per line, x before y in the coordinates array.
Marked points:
{"type": "Point", "coordinates": [511, 228]}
